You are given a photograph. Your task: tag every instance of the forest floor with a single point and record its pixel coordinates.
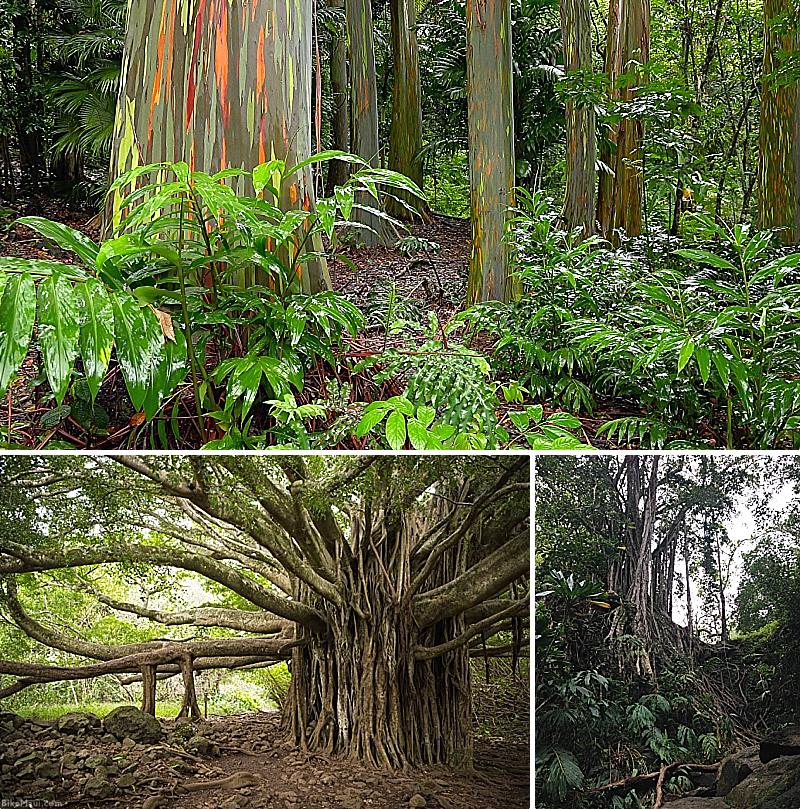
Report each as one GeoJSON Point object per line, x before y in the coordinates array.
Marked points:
{"type": "Point", "coordinates": [238, 762]}
{"type": "Point", "coordinates": [425, 282]}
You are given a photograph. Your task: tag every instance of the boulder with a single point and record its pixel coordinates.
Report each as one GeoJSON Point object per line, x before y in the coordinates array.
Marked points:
{"type": "Point", "coordinates": [784, 742]}
{"type": "Point", "coordinates": [734, 769]}
{"type": "Point", "coordinates": [128, 722]}
{"type": "Point", "coordinates": [417, 801]}
{"type": "Point", "coordinates": [697, 803]}
{"type": "Point", "coordinates": [199, 744]}
{"type": "Point", "coordinates": [776, 785]}
{"type": "Point", "coordinates": [78, 724]}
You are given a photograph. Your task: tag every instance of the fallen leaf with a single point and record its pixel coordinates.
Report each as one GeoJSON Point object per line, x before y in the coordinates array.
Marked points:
{"type": "Point", "coordinates": [165, 320]}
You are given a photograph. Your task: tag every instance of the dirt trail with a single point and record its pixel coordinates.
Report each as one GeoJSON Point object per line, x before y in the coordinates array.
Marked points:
{"type": "Point", "coordinates": [235, 762]}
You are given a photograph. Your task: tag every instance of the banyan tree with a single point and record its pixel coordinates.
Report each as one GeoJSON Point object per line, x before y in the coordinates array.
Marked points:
{"type": "Point", "coordinates": [376, 578]}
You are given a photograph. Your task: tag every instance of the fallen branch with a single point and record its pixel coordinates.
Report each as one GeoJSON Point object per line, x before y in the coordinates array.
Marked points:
{"type": "Point", "coordinates": [665, 772]}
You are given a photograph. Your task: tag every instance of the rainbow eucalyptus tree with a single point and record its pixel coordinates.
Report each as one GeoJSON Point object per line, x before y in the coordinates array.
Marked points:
{"type": "Point", "coordinates": [217, 85]}
{"type": "Point", "coordinates": [621, 194]}
{"type": "Point", "coordinates": [580, 196]}
{"type": "Point", "coordinates": [364, 111]}
{"type": "Point", "coordinates": [405, 145]}
{"type": "Point", "coordinates": [491, 147]}
{"type": "Point", "coordinates": [377, 577]}
{"type": "Point", "coordinates": [779, 199]}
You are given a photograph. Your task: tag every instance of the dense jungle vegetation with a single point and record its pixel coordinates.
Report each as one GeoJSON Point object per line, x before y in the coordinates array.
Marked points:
{"type": "Point", "coordinates": [668, 591]}
{"type": "Point", "coordinates": [346, 631]}
{"type": "Point", "coordinates": [357, 224]}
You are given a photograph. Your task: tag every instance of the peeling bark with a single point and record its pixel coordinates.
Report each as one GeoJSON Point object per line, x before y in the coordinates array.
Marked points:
{"type": "Point", "coordinates": [491, 148]}
{"type": "Point", "coordinates": [217, 85]}
{"type": "Point", "coordinates": [779, 197]}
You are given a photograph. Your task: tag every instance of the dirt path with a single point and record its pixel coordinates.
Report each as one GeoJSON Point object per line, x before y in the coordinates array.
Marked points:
{"type": "Point", "coordinates": [234, 762]}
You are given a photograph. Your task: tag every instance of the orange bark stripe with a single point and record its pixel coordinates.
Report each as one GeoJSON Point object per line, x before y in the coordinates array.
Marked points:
{"type": "Point", "coordinates": [156, 89]}
{"type": "Point", "coordinates": [198, 29]}
{"type": "Point", "coordinates": [221, 59]}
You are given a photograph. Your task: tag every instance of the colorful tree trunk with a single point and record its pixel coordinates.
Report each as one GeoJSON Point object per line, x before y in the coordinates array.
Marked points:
{"type": "Point", "coordinates": [218, 84]}
{"type": "Point", "coordinates": [364, 109]}
{"type": "Point", "coordinates": [580, 198]}
{"type": "Point", "coordinates": [339, 171]}
{"type": "Point", "coordinates": [621, 197]}
{"type": "Point", "coordinates": [779, 199]}
{"type": "Point", "coordinates": [491, 147]}
{"type": "Point", "coordinates": [406, 138]}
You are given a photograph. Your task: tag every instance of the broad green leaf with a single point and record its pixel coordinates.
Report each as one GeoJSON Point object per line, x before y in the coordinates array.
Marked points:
{"type": "Point", "coordinates": [58, 332]}
{"type": "Point", "coordinates": [723, 367]}
{"type": "Point", "coordinates": [166, 374]}
{"type": "Point", "coordinates": [686, 352]}
{"type": "Point", "coordinates": [706, 257]}
{"type": "Point", "coordinates": [418, 435]}
{"type": "Point", "coordinates": [40, 268]}
{"type": "Point", "coordinates": [396, 430]}
{"type": "Point", "coordinates": [17, 315]}
{"type": "Point", "coordinates": [426, 415]}
{"type": "Point", "coordinates": [703, 357]}
{"type": "Point", "coordinates": [139, 341]}
{"type": "Point", "coordinates": [96, 333]}
{"type": "Point", "coordinates": [370, 420]}
{"type": "Point", "coordinates": [65, 237]}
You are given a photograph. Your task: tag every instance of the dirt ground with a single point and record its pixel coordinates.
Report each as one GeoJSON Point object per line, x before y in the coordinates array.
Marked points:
{"type": "Point", "coordinates": [235, 762]}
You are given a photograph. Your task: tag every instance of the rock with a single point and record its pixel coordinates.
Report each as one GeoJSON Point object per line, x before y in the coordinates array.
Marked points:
{"type": "Point", "coordinates": [774, 786]}
{"type": "Point", "coordinates": [77, 724]}
{"type": "Point", "coordinates": [99, 788]}
{"type": "Point", "coordinates": [698, 803]}
{"type": "Point", "coordinates": [46, 770]}
{"type": "Point", "coordinates": [154, 802]}
{"type": "Point", "coordinates": [128, 744]}
{"type": "Point", "coordinates": [199, 744]}
{"type": "Point", "coordinates": [127, 780]}
{"type": "Point", "coordinates": [69, 761]}
{"type": "Point", "coordinates": [784, 742]}
{"type": "Point", "coordinates": [131, 723]}
{"type": "Point", "coordinates": [417, 801]}
{"type": "Point", "coordinates": [734, 769]}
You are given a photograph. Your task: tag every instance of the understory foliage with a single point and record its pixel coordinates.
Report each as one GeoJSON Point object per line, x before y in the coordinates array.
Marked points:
{"type": "Point", "coordinates": [702, 340]}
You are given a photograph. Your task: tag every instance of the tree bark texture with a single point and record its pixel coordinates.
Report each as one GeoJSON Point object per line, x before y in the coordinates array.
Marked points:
{"type": "Point", "coordinates": [491, 148]}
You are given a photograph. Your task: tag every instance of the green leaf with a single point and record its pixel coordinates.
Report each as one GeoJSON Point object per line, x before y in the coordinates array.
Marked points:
{"type": "Point", "coordinates": [686, 352]}
{"type": "Point", "coordinates": [139, 340]}
{"type": "Point", "coordinates": [65, 237]}
{"type": "Point", "coordinates": [58, 332]}
{"type": "Point", "coordinates": [426, 415]}
{"type": "Point", "coordinates": [396, 430]}
{"type": "Point", "coordinates": [167, 373]}
{"type": "Point", "coordinates": [703, 357]}
{"type": "Point", "coordinates": [96, 334]}
{"type": "Point", "coordinates": [370, 420]}
{"type": "Point", "coordinates": [723, 367]}
{"type": "Point", "coordinates": [706, 257]}
{"type": "Point", "coordinates": [418, 435]}
{"type": "Point", "coordinates": [40, 268]}
{"type": "Point", "coordinates": [17, 315]}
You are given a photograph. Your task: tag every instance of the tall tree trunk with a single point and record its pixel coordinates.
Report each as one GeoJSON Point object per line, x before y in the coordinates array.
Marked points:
{"type": "Point", "coordinates": [364, 110]}
{"type": "Point", "coordinates": [405, 143]}
{"type": "Point", "coordinates": [580, 198]}
{"type": "Point", "coordinates": [491, 147]}
{"type": "Point", "coordinates": [358, 689]}
{"type": "Point", "coordinates": [621, 197]}
{"type": "Point", "coordinates": [218, 85]}
{"type": "Point", "coordinates": [779, 198]}
{"type": "Point", "coordinates": [339, 171]}
{"type": "Point", "coordinates": [29, 115]}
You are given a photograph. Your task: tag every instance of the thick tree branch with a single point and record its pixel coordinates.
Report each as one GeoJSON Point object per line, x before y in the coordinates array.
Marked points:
{"type": "Point", "coordinates": [20, 559]}
{"type": "Point", "coordinates": [483, 580]}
